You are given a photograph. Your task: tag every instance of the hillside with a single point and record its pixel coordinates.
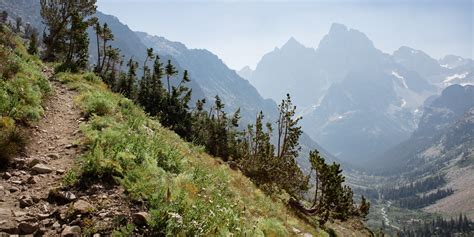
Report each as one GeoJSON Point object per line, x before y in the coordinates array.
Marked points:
{"type": "Point", "coordinates": [209, 75]}
{"type": "Point", "coordinates": [96, 163]}
{"type": "Point", "coordinates": [438, 138]}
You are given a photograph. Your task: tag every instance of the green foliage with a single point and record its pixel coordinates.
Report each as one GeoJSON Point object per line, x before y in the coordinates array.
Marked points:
{"type": "Point", "coordinates": [186, 192]}
{"type": "Point", "coordinates": [259, 160]}
{"type": "Point", "coordinates": [127, 82]}
{"type": "Point", "coordinates": [97, 103]}
{"type": "Point", "coordinates": [12, 140]}
{"type": "Point", "coordinates": [22, 90]}
{"type": "Point", "coordinates": [331, 199]}
{"type": "Point", "coordinates": [66, 38]}
{"type": "Point", "coordinates": [364, 207]}
{"type": "Point", "coordinates": [271, 227]}
{"type": "Point", "coordinates": [123, 231]}
{"type": "Point", "coordinates": [33, 46]}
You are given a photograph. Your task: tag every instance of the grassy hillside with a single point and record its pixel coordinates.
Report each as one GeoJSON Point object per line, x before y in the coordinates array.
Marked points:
{"type": "Point", "coordinates": [22, 90]}
{"type": "Point", "coordinates": [186, 191]}
{"type": "Point", "coordinates": [183, 190]}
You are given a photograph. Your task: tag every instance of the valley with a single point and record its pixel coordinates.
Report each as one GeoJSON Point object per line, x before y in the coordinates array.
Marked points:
{"type": "Point", "coordinates": [175, 135]}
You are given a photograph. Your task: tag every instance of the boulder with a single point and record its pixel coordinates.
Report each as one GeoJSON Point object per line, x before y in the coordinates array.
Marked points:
{"type": "Point", "coordinates": [53, 156]}
{"type": "Point", "coordinates": [82, 207]}
{"type": "Point", "coordinates": [60, 197]}
{"type": "Point", "coordinates": [7, 175]}
{"type": "Point", "coordinates": [71, 231]}
{"type": "Point", "coordinates": [140, 218]}
{"type": "Point", "coordinates": [41, 169]}
{"type": "Point", "coordinates": [26, 201]}
{"type": "Point", "coordinates": [33, 180]}
{"type": "Point", "coordinates": [27, 228]}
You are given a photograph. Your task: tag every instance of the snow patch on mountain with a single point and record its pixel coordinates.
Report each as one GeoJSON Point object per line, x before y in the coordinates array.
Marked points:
{"type": "Point", "coordinates": [401, 78]}
{"type": "Point", "coordinates": [338, 117]}
{"type": "Point", "coordinates": [458, 76]}
{"type": "Point", "coordinates": [404, 102]}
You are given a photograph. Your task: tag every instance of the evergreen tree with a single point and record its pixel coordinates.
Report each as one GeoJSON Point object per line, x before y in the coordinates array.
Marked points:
{"type": "Point", "coordinates": [175, 112]}
{"type": "Point", "coordinates": [364, 207]}
{"type": "Point", "coordinates": [106, 36]}
{"type": "Point", "coordinates": [156, 94]}
{"type": "Point", "coordinates": [98, 34]}
{"type": "Point", "coordinates": [66, 37]}
{"type": "Point", "coordinates": [33, 46]}
{"type": "Point", "coordinates": [18, 24]}
{"type": "Point", "coordinates": [127, 82]}
{"type": "Point", "coordinates": [170, 71]}
{"type": "Point", "coordinates": [3, 17]}
{"type": "Point", "coordinates": [260, 162]}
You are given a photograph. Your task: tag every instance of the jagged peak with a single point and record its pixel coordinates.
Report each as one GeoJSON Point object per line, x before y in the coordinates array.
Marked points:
{"type": "Point", "coordinates": [292, 43]}
{"type": "Point", "coordinates": [339, 35]}
{"type": "Point", "coordinates": [337, 28]}
{"type": "Point", "coordinates": [407, 49]}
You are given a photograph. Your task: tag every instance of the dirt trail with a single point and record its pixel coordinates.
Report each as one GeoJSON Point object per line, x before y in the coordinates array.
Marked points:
{"type": "Point", "coordinates": [50, 153]}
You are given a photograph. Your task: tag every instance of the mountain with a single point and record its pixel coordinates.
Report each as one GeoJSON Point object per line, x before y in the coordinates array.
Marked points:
{"type": "Point", "coordinates": [443, 72]}
{"type": "Point", "coordinates": [213, 77]}
{"type": "Point", "coordinates": [354, 108]}
{"type": "Point", "coordinates": [442, 145]}
{"type": "Point", "coordinates": [444, 134]}
{"type": "Point", "coordinates": [246, 72]}
{"type": "Point", "coordinates": [286, 69]}
{"type": "Point", "coordinates": [418, 61]}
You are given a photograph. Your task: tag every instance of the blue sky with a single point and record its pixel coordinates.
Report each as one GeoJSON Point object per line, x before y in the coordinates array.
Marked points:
{"type": "Point", "coordinates": [241, 32]}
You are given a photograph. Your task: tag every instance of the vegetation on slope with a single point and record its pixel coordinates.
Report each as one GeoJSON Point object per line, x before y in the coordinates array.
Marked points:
{"type": "Point", "coordinates": [183, 190]}
{"type": "Point", "coordinates": [22, 90]}
{"type": "Point", "coordinates": [186, 191]}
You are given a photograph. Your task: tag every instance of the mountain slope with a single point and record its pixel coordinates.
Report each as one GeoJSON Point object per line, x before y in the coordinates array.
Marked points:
{"type": "Point", "coordinates": [246, 73]}
{"type": "Point", "coordinates": [132, 177]}
{"type": "Point", "coordinates": [214, 77]}
{"type": "Point", "coordinates": [444, 72]}
{"type": "Point", "coordinates": [209, 75]}
{"type": "Point", "coordinates": [286, 70]}
{"type": "Point", "coordinates": [336, 92]}
{"type": "Point", "coordinates": [444, 133]}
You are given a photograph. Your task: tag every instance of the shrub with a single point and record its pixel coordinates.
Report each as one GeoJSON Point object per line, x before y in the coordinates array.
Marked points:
{"type": "Point", "coordinates": [12, 140]}
{"type": "Point", "coordinates": [22, 90]}
{"type": "Point", "coordinates": [97, 103]}
{"type": "Point", "coordinates": [272, 227]}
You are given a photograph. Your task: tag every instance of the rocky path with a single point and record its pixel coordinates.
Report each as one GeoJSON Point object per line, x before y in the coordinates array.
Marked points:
{"type": "Point", "coordinates": [50, 153]}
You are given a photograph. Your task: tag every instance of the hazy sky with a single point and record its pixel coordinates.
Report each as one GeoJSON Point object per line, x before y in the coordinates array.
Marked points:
{"type": "Point", "coordinates": [241, 32]}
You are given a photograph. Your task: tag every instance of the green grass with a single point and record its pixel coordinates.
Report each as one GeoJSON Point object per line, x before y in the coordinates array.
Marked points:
{"type": "Point", "coordinates": [23, 88]}
{"type": "Point", "coordinates": [186, 191]}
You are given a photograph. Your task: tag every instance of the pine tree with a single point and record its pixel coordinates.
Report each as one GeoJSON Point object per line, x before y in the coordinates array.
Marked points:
{"type": "Point", "coordinates": [3, 17]}
{"type": "Point", "coordinates": [18, 24]}
{"type": "Point", "coordinates": [170, 71]}
{"type": "Point", "coordinates": [127, 82]}
{"type": "Point", "coordinates": [33, 46]}
{"type": "Point", "coordinates": [106, 36]}
{"type": "Point", "coordinates": [66, 37]}
{"type": "Point", "coordinates": [290, 176]}
{"type": "Point", "coordinates": [98, 34]}
{"type": "Point", "coordinates": [364, 207]}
